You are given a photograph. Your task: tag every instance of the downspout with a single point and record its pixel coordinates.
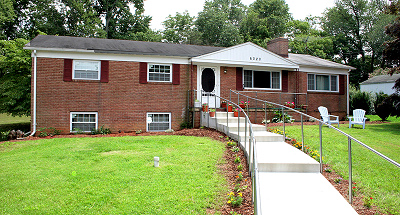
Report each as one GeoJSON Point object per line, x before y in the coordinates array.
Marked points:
{"type": "Point", "coordinates": [348, 94]}
{"type": "Point", "coordinates": [34, 93]}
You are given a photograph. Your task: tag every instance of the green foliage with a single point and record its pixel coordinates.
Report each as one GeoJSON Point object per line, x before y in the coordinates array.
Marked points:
{"type": "Point", "coordinates": [360, 100]}
{"type": "Point", "coordinates": [219, 21]}
{"type": "Point", "coordinates": [265, 20]}
{"type": "Point", "coordinates": [4, 135]}
{"type": "Point", "coordinates": [15, 78]}
{"type": "Point", "coordinates": [235, 200]}
{"type": "Point", "coordinates": [77, 131]}
{"type": "Point", "coordinates": [240, 167]}
{"type": "Point", "coordinates": [186, 124]}
{"type": "Point", "coordinates": [235, 149]}
{"type": "Point", "coordinates": [6, 11]}
{"type": "Point", "coordinates": [178, 28]}
{"type": "Point", "coordinates": [101, 130]}
{"type": "Point", "coordinates": [44, 132]}
{"type": "Point", "coordinates": [279, 117]}
{"type": "Point", "coordinates": [237, 159]}
{"type": "Point", "coordinates": [378, 99]}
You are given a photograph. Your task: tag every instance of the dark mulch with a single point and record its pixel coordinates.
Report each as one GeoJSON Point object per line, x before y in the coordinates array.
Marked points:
{"type": "Point", "coordinates": [229, 169]}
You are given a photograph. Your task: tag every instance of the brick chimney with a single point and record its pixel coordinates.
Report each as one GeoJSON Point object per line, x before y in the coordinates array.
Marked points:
{"type": "Point", "coordinates": [279, 46]}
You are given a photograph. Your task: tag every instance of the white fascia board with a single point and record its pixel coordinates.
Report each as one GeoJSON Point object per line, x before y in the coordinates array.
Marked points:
{"type": "Point", "coordinates": [243, 64]}
{"type": "Point", "coordinates": [112, 57]}
{"type": "Point", "coordinates": [324, 70]}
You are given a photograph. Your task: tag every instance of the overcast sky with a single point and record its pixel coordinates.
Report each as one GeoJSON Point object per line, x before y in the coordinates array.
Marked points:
{"type": "Point", "coordinates": [160, 9]}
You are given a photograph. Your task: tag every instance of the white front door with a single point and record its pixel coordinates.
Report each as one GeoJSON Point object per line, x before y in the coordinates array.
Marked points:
{"type": "Point", "coordinates": [208, 82]}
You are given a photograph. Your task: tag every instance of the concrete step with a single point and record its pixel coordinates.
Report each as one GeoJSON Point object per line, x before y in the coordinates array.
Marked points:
{"type": "Point", "coordinates": [260, 136]}
{"type": "Point", "coordinates": [233, 127]}
{"type": "Point", "coordinates": [282, 157]}
{"type": "Point", "coordinates": [232, 120]}
{"type": "Point", "coordinates": [300, 193]}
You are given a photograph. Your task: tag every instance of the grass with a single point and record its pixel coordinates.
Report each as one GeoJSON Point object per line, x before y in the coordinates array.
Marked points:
{"type": "Point", "coordinates": [111, 175]}
{"type": "Point", "coordinates": [8, 122]}
{"type": "Point", "coordinates": [375, 176]}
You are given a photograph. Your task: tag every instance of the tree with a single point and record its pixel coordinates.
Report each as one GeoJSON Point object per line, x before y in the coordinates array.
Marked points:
{"type": "Point", "coordinates": [307, 39]}
{"type": "Point", "coordinates": [6, 11]}
{"type": "Point", "coordinates": [265, 20]}
{"type": "Point", "coordinates": [178, 28]}
{"type": "Point", "coordinates": [356, 31]}
{"type": "Point", "coordinates": [15, 77]}
{"type": "Point", "coordinates": [81, 19]}
{"type": "Point", "coordinates": [219, 21]}
{"type": "Point", "coordinates": [119, 21]}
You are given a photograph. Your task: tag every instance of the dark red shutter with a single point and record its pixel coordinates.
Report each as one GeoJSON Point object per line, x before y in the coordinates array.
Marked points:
{"type": "Point", "coordinates": [104, 71]}
{"type": "Point", "coordinates": [239, 78]}
{"type": "Point", "coordinates": [285, 81]}
{"type": "Point", "coordinates": [67, 69]}
{"type": "Point", "coordinates": [176, 74]}
{"type": "Point", "coordinates": [143, 73]}
{"type": "Point", "coordinates": [341, 85]}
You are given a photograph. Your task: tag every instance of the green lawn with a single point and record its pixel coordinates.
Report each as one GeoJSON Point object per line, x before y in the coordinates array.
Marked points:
{"type": "Point", "coordinates": [111, 175]}
{"type": "Point", "coordinates": [8, 122]}
{"type": "Point", "coordinates": [374, 175]}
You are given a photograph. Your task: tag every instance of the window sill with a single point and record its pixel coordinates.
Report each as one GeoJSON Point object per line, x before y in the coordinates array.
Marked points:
{"type": "Point", "coordinates": [86, 80]}
{"type": "Point", "coordinates": [264, 89]}
{"type": "Point", "coordinates": [322, 92]}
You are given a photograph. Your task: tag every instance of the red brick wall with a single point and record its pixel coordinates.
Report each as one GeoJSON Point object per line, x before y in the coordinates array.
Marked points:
{"type": "Point", "coordinates": [122, 103]}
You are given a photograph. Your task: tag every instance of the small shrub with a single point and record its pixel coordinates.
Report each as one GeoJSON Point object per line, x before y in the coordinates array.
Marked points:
{"type": "Point", "coordinates": [235, 200]}
{"type": "Point", "coordinates": [338, 180]}
{"type": "Point", "coordinates": [101, 130]}
{"type": "Point", "coordinates": [240, 167]}
{"type": "Point", "coordinates": [186, 125]}
{"type": "Point", "coordinates": [239, 188]}
{"type": "Point", "coordinates": [235, 149]}
{"type": "Point", "coordinates": [367, 201]}
{"type": "Point", "coordinates": [44, 132]}
{"type": "Point", "coordinates": [328, 169]}
{"type": "Point", "coordinates": [360, 100]}
{"type": "Point", "coordinates": [379, 97]}
{"type": "Point", "coordinates": [4, 135]}
{"type": "Point", "coordinates": [237, 159]}
{"type": "Point", "coordinates": [231, 143]}
{"type": "Point", "coordinates": [77, 131]}
{"type": "Point", "coordinates": [239, 177]}
{"type": "Point", "coordinates": [384, 109]}
{"type": "Point", "coordinates": [138, 131]}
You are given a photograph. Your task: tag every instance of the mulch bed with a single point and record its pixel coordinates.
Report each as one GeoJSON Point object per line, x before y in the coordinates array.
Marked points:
{"type": "Point", "coordinates": [229, 169]}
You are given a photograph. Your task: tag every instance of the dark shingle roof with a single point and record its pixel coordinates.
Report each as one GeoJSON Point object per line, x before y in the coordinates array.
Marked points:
{"type": "Point", "coordinates": [119, 46]}
{"type": "Point", "coordinates": [382, 79]}
{"type": "Point", "coordinates": [308, 60]}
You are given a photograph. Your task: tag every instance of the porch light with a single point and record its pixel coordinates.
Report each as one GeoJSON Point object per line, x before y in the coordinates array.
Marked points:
{"type": "Point", "coordinates": [225, 71]}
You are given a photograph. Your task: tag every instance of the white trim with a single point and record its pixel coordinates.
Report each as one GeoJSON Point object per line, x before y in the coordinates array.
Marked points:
{"type": "Point", "coordinates": [99, 71]}
{"type": "Point", "coordinates": [324, 70]}
{"type": "Point", "coordinates": [70, 119]}
{"type": "Point", "coordinates": [330, 83]}
{"type": "Point", "coordinates": [169, 122]}
{"type": "Point", "coordinates": [159, 64]}
{"type": "Point", "coordinates": [348, 94]}
{"type": "Point", "coordinates": [114, 57]}
{"type": "Point", "coordinates": [34, 92]}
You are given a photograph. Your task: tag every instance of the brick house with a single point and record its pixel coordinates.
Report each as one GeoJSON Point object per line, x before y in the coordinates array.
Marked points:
{"type": "Point", "coordinates": [83, 83]}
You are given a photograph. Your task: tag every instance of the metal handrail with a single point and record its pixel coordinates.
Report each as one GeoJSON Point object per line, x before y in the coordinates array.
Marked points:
{"type": "Point", "coordinates": [320, 135]}
{"type": "Point", "coordinates": [251, 151]}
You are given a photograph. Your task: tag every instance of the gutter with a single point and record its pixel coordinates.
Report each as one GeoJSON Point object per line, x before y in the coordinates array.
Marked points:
{"type": "Point", "coordinates": [34, 93]}
{"type": "Point", "coordinates": [348, 93]}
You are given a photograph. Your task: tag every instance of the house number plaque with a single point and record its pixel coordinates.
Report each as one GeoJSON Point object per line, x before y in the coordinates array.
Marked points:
{"type": "Point", "coordinates": [255, 58]}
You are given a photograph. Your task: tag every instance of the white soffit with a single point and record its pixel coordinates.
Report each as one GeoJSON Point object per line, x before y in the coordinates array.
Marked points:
{"type": "Point", "coordinates": [247, 54]}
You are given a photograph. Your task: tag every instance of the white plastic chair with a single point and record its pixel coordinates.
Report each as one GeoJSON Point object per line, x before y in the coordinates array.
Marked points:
{"type": "Point", "coordinates": [358, 118]}
{"type": "Point", "coordinates": [326, 118]}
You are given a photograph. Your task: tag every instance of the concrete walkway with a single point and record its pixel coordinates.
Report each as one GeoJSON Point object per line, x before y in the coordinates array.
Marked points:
{"type": "Point", "coordinates": [290, 181]}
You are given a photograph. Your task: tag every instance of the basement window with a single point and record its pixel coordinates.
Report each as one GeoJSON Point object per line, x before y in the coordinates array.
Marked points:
{"type": "Point", "coordinates": [83, 121]}
{"type": "Point", "coordinates": [158, 121]}
{"type": "Point", "coordinates": [262, 79]}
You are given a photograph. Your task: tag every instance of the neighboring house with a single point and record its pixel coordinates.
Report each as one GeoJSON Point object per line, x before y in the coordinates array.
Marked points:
{"type": "Point", "coordinates": [131, 85]}
{"type": "Point", "coordinates": [380, 83]}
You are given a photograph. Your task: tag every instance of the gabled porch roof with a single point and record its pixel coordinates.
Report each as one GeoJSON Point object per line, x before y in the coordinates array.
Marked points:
{"type": "Point", "coordinates": [246, 54]}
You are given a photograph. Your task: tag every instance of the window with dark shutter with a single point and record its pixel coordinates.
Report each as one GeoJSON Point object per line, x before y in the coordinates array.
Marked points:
{"type": "Point", "coordinates": [104, 71]}
{"type": "Point", "coordinates": [176, 74]}
{"type": "Point", "coordinates": [143, 73]}
{"type": "Point", "coordinates": [239, 78]}
{"type": "Point", "coordinates": [67, 69]}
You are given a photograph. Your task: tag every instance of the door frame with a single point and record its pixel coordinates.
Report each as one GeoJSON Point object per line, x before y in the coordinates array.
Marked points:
{"type": "Point", "coordinates": [217, 88]}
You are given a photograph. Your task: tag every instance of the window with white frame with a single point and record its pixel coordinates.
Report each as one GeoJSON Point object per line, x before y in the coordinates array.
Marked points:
{"type": "Point", "coordinates": [317, 82]}
{"type": "Point", "coordinates": [262, 79]}
{"type": "Point", "coordinates": [83, 121]}
{"type": "Point", "coordinates": [160, 73]}
{"type": "Point", "coordinates": [86, 70]}
{"type": "Point", "coordinates": [158, 121]}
